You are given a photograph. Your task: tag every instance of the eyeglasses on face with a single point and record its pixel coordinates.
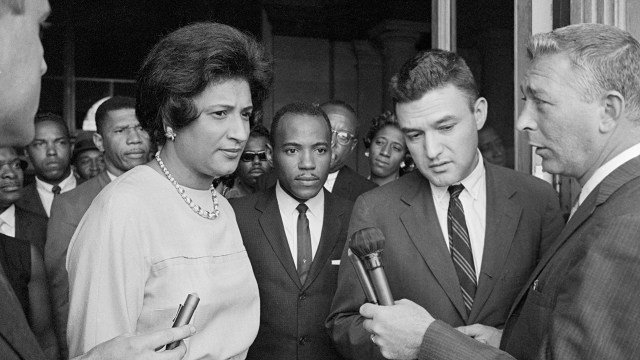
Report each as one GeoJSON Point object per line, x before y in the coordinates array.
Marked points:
{"type": "Point", "coordinates": [248, 156]}
{"type": "Point", "coordinates": [343, 137]}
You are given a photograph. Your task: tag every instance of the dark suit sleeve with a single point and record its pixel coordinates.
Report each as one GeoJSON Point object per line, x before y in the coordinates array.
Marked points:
{"type": "Point", "coordinates": [344, 322]}
{"type": "Point", "coordinates": [442, 342]}
{"type": "Point", "coordinates": [59, 234]}
{"type": "Point", "coordinates": [596, 315]}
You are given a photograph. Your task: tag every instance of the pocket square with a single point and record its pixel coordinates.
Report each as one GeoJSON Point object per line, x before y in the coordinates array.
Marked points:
{"type": "Point", "coordinates": [335, 262]}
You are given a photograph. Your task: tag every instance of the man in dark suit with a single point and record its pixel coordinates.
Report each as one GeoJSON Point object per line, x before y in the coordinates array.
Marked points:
{"type": "Point", "coordinates": [50, 154]}
{"type": "Point", "coordinates": [294, 234]}
{"type": "Point", "coordinates": [582, 113]}
{"type": "Point", "coordinates": [342, 180]}
{"type": "Point", "coordinates": [124, 144]}
{"type": "Point", "coordinates": [462, 235]}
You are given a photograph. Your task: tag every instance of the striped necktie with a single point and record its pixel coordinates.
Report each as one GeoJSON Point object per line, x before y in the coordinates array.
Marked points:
{"type": "Point", "coordinates": [460, 247]}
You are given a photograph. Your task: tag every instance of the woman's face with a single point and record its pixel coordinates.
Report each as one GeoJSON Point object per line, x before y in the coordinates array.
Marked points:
{"type": "Point", "coordinates": [386, 152]}
{"type": "Point", "coordinates": [211, 145]}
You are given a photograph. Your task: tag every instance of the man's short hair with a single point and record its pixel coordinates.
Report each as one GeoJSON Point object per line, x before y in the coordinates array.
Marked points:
{"type": "Point", "coordinates": [298, 108]}
{"type": "Point", "coordinates": [182, 64]}
{"type": "Point", "coordinates": [15, 7]}
{"type": "Point", "coordinates": [259, 131]}
{"type": "Point", "coordinates": [42, 117]}
{"type": "Point", "coordinates": [112, 104]}
{"type": "Point", "coordinates": [604, 58]}
{"type": "Point", "coordinates": [430, 70]}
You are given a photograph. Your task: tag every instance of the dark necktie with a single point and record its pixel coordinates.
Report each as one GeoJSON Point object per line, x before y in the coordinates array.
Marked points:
{"type": "Point", "coordinates": [304, 243]}
{"type": "Point", "coordinates": [460, 247]}
{"type": "Point", "coordinates": [56, 190]}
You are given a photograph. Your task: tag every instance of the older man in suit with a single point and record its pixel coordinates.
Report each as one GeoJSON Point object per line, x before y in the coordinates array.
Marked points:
{"type": "Point", "coordinates": [294, 234]}
{"type": "Point", "coordinates": [342, 180]}
{"type": "Point", "coordinates": [462, 235]}
{"type": "Point", "coordinates": [582, 113]}
{"type": "Point", "coordinates": [125, 145]}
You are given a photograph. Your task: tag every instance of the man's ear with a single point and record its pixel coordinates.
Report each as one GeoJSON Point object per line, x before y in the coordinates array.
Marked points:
{"type": "Point", "coordinates": [613, 106]}
{"type": "Point", "coordinates": [269, 151]}
{"type": "Point", "coordinates": [97, 139]}
{"type": "Point", "coordinates": [480, 108]}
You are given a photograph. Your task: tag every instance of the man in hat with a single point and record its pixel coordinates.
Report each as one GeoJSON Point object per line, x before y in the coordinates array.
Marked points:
{"type": "Point", "coordinates": [86, 159]}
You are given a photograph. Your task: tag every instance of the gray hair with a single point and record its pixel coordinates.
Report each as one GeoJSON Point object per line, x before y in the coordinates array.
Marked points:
{"type": "Point", "coordinates": [604, 57]}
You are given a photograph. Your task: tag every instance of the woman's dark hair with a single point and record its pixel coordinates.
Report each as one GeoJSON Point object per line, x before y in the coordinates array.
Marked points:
{"type": "Point", "coordinates": [185, 62]}
{"type": "Point", "coordinates": [378, 123]}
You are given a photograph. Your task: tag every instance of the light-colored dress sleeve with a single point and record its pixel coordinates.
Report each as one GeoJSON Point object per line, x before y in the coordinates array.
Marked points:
{"type": "Point", "coordinates": [107, 267]}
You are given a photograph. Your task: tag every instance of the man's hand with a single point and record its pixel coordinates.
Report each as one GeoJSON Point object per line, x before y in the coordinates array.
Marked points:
{"type": "Point", "coordinates": [485, 334]}
{"type": "Point", "coordinates": [142, 347]}
{"type": "Point", "coordinates": [397, 330]}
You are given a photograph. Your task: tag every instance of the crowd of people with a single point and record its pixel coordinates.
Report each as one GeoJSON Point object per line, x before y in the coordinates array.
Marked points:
{"type": "Point", "coordinates": [98, 251]}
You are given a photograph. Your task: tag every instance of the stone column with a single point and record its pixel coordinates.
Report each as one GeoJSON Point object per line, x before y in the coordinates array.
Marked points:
{"type": "Point", "coordinates": [397, 40]}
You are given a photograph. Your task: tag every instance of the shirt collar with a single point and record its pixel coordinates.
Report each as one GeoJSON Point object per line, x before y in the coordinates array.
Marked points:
{"type": "Point", "coordinates": [67, 184]}
{"type": "Point", "coordinates": [111, 176]}
{"type": "Point", "coordinates": [606, 169]}
{"type": "Point", "coordinates": [289, 204]}
{"type": "Point", "coordinates": [9, 216]}
{"type": "Point", "coordinates": [471, 183]}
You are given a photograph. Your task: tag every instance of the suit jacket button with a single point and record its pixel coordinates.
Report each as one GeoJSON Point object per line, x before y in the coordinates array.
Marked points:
{"type": "Point", "coordinates": [302, 296]}
{"type": "Point", "coordinates": [302, 340]}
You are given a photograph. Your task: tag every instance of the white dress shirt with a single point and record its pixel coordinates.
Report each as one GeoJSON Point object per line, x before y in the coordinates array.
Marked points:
{"type": "Point", "coordinates": [474, 203]}
{"type": "Point", "coordinates": [606, 169]}
{"type": "Point", "coordinates": [46, 194]}
{"type": "Point", "coordinates": [331, 180]}
{"type": "Point", "coordinates": [289, 215]}
{"type": "Point", "coordinates": [8, 221]}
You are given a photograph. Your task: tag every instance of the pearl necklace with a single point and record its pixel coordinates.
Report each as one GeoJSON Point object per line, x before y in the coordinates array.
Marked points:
{"type": "Point", "coordinates": [211, 215]}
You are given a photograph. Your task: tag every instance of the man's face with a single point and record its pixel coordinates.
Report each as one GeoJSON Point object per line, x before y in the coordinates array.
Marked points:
{"type": "Point", "coordinates": [21, 66]}
{"type": "Point", "coordinates": [123, 141]}
{"type": "Point", "coordinates": [50, 152]}
{"type": "Point", "coordinates": [561, 125]}
{"type": "Point", "coordinates": [11, 177]}
{"type": "Point", "coordinates": [441, 133]}
{"type": "Point", "coordinates": [302, 153]}
{"type": "Point", "coordinates": [89, 163]}
{"type": "Point", "coordinates": [341, 120]}
{"type": "Point", "coordinates": [491, 147]}
{"type": "Point", "coordinates": [258, 154]}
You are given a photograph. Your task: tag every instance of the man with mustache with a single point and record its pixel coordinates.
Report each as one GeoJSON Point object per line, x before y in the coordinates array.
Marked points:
{"type": "Point", "coordinates": [255, 161]}
{"type": "Point", "coordinates": [124, 144]}
{"type": "Point", "coordinates": [19, 257]}
{"type": "Point", "coordinates": [294, 234]}
{"type": "Point", "coordinates": [462, 235]}
{"type": "Point", "coordinates": [50, 154]}
{"type": "Point", "coordinates": [342, 180]}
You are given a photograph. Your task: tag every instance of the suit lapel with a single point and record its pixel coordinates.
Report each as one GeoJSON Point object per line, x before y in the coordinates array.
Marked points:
{"type": "Point", "coordinates": [271, 224]}
{"type": "Point", "coordinates": [342, 186]}
{"type": "Point", "coordinates": [421, 223]}
{"type": "Point", "coordinates": [330, 229]}
{"type": "Point", "coordinates": [502, 217]}
{"type": "Point", "coordinates": [30, 200]}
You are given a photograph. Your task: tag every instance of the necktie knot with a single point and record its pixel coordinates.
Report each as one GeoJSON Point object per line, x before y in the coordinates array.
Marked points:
{"type": "Point", "coordinates": [56, 189]}
{"type": "Point", "coordinates": [455, 190]}
{"type": "Point", "coordinates": [302, 208]}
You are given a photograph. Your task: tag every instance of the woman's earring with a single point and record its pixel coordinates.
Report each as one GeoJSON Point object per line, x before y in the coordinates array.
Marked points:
{"type": "Point", "coordinates": [169, 134]}
{"type": "Point", "coordinates": [366, 153]}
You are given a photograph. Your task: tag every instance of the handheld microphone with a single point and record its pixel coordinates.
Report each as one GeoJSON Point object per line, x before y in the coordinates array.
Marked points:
{"type": "Point", "coordinates": [363, 277]}
{"type": "Point", "coordinates": [368, 244]}
{"type": "Point", "coordinates": [184, 315]}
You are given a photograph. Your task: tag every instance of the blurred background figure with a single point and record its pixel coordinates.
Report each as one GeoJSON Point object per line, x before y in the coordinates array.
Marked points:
{"type": "Point", "coordinates": [491, 146]}
{"type": "Point", "coordinates": [20, 256]}
{"type": "Point", "coordinates": [387, 149]}
{"type": "Point", "coordinates": [87, 160]}
{"type": "Point", "coordinates": [255, 161]}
